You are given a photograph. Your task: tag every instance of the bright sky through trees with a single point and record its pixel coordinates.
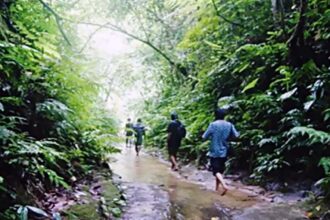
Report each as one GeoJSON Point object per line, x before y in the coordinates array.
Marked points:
{"type": "Point", "coordinates": [109, 50]}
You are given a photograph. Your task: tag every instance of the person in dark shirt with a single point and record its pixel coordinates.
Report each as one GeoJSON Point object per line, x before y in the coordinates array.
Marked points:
{"type": "Point", "coordinates": [129, 132]}
{"type": "Point", "coordinates": [219, 132]}
{"type": "Point", "coordinates": [139, 132]}
{"type": "Point", "coordinates": [174, 140]}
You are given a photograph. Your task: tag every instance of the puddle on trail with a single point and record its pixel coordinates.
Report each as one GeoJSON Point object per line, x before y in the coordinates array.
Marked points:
{"type": "Point", "coordinates": [153, 189]}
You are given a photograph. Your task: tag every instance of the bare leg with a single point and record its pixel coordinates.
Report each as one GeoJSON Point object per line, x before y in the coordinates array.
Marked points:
{"type": "Point", "coordinates": [174, 163]}
{"type": "Point", "coordinates": [137, 150]}
{"type": "Point", "coordinates": [126, 141]}
{"type": "Point", "coordinates": [217, 182]}
{"type": "Point", "coordinates": [222, 182]}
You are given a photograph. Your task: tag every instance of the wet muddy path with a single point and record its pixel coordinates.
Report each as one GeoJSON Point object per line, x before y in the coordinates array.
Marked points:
{"type": "Point", "coordinates": [153, 191]}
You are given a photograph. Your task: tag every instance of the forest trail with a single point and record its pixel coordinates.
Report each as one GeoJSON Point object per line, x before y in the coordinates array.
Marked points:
{"type": "Point", "coordinates": [153, 191]}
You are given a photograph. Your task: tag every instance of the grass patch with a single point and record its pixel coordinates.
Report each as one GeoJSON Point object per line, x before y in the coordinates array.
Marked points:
{"type": "Point", "coordinates": [96, 209]}
{"type": "Point", "coordinates": [83, 212]}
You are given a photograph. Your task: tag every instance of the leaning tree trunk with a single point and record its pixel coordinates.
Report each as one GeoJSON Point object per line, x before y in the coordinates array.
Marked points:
{"type": "Point", "coordinates": [298, 51]}
{"type": "Point", "coordinates": [5, 14]}
{"type": "Point", "coordinates": [279, 9]}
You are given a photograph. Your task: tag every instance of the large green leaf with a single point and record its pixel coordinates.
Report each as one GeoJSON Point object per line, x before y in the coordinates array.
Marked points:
{"type": "Point", "coordinates": [251, 85]}
{"type": "Point", "coordinates": [288, 94]}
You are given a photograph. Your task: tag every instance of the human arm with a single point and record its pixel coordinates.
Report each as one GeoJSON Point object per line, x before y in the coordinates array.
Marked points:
{"type": "Point", "coordinates": [234, 134]}
{"type": "Point", "coordinates": [135, 129]}
{"type": "Point", "coordinates": [144, 129]}
{"type": "Point", "coordinates": [170, 131]}
{"type": "Point", "coordinates": [208, 133]}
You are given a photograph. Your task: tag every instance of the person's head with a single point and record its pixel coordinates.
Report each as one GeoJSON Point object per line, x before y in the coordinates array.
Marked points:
{"type": "Point", "coordinates": [174, 116]}
{"type": "Point", "coordinates": [139, 120]}
{"type": "Point", "coordinates": [128, 119]}
{"type": "Point", "coordinates": [219, 114]}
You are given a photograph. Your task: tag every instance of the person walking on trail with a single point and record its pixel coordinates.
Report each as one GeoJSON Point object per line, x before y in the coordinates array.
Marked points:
{"type": "Point", "coordinates": [139, 132]}
{"type": "Point", "coordinates": [176, 132]}
{"type": "Point", "coordinates": [129, 132]}
{"type": "Point", "coordinates": [219, 132]}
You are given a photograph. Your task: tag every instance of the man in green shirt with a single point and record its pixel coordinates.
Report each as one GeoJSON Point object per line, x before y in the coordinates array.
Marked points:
{"type": "Point", "coordinates": [129, 132]}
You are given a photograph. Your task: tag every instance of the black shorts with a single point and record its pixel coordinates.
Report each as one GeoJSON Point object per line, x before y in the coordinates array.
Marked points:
{"type": "Point", "coordinates": [129, 133]}
{"type": "Point", "coordinates": [172, 151]}
{"type": "Point", "coordinates": [218, 164]}
{"type": "Point", "coordinates": [173, 147]}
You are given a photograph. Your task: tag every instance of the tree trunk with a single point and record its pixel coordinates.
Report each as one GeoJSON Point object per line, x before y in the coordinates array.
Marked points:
{"type": "Point", "coordinates": [298, 52]}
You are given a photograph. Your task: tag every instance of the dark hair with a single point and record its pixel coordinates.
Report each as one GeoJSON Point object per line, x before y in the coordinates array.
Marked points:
{"type": "Point", "coordinates": [128, 119]}
{"type": "Point", "coordinates": [139, 120]}
{"type": "Point", "coordinates": [174, 116]}
{"type": "Point", "coordinates": [219, 114]}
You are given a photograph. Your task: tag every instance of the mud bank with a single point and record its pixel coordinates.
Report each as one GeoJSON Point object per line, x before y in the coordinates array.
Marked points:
{"type": "Point", "coordinates": [95, 198]}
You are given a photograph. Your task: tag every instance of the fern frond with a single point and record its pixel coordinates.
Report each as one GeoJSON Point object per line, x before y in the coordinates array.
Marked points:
{"type": "Point", "coordinates": [314, 136]}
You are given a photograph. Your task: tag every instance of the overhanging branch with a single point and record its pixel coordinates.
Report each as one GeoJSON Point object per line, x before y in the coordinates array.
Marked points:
{"type": "Point", "coordinates": [58, 20]}
{"type": "Point", "coordinates": [223, 17]}
{"type": "Point", "coordinates": [91, 36]}
{"type": "Point", "coordinates": [116, 28]}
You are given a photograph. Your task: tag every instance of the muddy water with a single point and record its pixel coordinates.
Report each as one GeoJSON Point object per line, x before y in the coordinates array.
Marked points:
{"type": "Point", "coordinates": [156, 192]}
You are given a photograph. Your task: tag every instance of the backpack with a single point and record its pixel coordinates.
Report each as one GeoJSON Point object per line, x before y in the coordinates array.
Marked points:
{"type": "Point", "coordinates": [182, 130]}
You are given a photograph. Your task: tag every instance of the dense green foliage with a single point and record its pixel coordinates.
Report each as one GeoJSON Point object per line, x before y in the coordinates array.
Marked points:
{"type": "Point", "coordinates": [269, 67]}
{"type": "Point", "coordinates": [52, 125]}
{"type": "Point", "coordinates": [265, 61]}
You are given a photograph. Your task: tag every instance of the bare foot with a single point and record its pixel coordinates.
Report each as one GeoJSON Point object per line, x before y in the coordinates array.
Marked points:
{"type": "Point", "coordinates": [224, 192]}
